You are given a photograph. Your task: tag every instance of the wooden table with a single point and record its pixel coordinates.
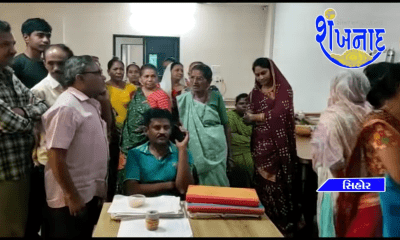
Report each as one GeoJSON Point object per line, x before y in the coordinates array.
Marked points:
{"type": "Point", "coordinates": [303, 147]}
{"type": "Point", "coordinates": [309, 181]}
{"type": "Point", "coordinates": [106, 227]}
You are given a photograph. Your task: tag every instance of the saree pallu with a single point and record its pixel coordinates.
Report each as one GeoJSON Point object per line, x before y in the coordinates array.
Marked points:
{"type": "Point", "coordinates": [132, 133]}
{"type": "Point", "coordinates": [364, 163]}
{"type": "Point", "coordinates": [207, 140]}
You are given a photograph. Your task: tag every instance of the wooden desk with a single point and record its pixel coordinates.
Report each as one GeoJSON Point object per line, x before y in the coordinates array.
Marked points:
{"type": "Point", "coordinates": [303, 147]}
{"type": "Point", "coordinates": [106, 227]}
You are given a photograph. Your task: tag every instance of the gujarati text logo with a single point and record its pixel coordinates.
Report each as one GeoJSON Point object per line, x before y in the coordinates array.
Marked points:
{"type": "Point", "coordinates": [353, 39]}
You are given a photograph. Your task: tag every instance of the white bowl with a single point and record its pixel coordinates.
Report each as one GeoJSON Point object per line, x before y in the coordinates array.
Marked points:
{"type": "Point", "coordinates": [136, 200]}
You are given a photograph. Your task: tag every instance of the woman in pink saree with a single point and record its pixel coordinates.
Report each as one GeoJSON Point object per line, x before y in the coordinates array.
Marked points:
{"type": "Point", "coordinates": [273, 145]}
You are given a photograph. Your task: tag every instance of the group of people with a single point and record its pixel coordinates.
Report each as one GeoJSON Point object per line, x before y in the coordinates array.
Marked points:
{"type": "Point", "coordinates": [357, 137]}
{"type": "Point", "coordinates": [71, 140]}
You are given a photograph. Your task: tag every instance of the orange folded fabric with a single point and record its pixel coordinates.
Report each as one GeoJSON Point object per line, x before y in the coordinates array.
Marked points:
{"type": "Point", "coordinates": [222, 195]}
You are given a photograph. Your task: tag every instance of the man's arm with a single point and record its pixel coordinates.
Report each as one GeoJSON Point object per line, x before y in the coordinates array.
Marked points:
{"type": "Point", "coordinates": [132, 183]}
{"type": "Point", "coordinates": [184, 176]}
{"type": "Point", "coordinates": [147, 189]}
{"type": "Point", "coordinates": [13, 120]}
{"type": "Point", "coordinates": [73, 200]}
{"type": "Point", "coordinates": [36, 106]}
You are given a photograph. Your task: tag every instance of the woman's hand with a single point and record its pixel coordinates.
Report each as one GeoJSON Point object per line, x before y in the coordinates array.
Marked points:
{"type": "Point", "coordinates": [247, 118]}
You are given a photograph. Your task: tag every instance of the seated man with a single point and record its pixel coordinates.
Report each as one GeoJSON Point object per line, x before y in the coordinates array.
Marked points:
{"type": "Point", "coordinates": [158, 166]}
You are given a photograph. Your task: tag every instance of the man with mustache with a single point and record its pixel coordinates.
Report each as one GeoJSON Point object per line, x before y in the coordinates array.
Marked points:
{"type": "Point", "coordinates": [28, 66]}
{"type": "Point", "coordinates": [19, 110]}
{"type": "Point", "coordinates": [48, 89]}
{"type": "Point", "coordinates": [158, 166]}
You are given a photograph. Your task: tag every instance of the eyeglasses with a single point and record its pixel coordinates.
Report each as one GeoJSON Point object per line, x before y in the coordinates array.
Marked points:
{"type": "Point", "coordinates": [96, 72]}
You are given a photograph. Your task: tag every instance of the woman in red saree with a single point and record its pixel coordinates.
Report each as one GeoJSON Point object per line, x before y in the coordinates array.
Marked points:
{"type": "Point", "coordinates": [376, 154]}
{"type": "Point", "coordinates": [273, 145]}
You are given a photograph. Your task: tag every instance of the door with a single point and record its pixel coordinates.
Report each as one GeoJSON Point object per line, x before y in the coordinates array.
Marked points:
{"type": "Point", "coordinates": [151, 49]}
{"type": "Point", "coordinates": [157, 49]}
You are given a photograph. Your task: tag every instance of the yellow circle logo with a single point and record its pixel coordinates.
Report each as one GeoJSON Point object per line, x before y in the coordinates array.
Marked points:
{"type": "Point", "coordinates": [330, 13]}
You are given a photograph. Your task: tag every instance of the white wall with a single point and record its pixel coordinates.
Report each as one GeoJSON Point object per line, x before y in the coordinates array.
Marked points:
{"type": "Point", "coordinates": [299, 56]}
{"type": "Point", "coordinates": [229, 35]}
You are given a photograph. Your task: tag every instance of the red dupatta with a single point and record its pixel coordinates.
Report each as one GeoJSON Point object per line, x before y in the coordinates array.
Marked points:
{"type": "Point", "coordinates": [279, 125]}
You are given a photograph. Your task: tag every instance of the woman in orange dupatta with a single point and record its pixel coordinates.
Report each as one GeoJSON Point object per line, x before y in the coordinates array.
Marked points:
{"type": "Point", "coordinates": [376, 154]}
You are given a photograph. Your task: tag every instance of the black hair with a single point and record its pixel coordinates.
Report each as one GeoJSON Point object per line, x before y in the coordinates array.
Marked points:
{"type": "Point", "coordinates": [147, 66]}
{"type": "Point", "coordinates": [132, 65]}
{"type": "Point", "coordinates": [156, 113]}
{"type": "Point", "coordinates": [261, 62]}
{"type": "Point", "coordinates": [240, 96]}
{"type": "Point", "coordinates": [174, 64]}
{"type": "Point", "coordinates": [4, 27]}
{"type": "Point", "coordinates": [35, 24]}
{"type": "Point", "coordinates": [61, 46]}
{"type": "Point", "coordinates": [384, 79]}
{"type": "Point", "coordinates": [112, 61]}
{"type": "Point", "coordinates": [206, 70]}
{"type": "Point", "coordinates": [170, 59]}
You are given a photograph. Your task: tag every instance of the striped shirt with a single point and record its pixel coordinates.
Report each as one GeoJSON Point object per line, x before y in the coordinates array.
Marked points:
{"type": "Point", "coordinates": [16, 132]}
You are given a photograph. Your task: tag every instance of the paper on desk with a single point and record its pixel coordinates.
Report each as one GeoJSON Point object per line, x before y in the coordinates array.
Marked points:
{"type": "Point", "coordinates": [163, 204]}
{"type": "Point", "coordinates": [166, 228]}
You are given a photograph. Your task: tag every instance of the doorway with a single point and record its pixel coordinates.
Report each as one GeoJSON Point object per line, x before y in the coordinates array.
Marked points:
{"type": "Point", "coordinates": [145, 49]}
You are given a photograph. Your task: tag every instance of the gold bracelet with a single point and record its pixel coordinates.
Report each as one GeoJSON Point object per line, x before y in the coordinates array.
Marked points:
{"type": "Point", "coordinates": [259, 117]}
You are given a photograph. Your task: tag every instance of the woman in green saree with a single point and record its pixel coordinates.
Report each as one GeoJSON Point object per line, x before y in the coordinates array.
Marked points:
{"type": "Point", "coordinates": [243, 170]}
{"type": "Point", "coordinates": [149, 95]}
{"type": "Point", "coordinates": [203, 113]}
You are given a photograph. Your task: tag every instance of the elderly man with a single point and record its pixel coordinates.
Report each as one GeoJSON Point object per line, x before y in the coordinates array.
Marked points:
{"type": "Point", "coordinates": [48, 89]}
{"type": "Point", "coordinates": [19, 110]}
{"type": "Point", "coordinates": [76, 139]}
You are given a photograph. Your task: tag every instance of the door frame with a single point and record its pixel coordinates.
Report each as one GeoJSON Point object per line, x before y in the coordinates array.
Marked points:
{"type": "Point", "coordinates": [115, 36]}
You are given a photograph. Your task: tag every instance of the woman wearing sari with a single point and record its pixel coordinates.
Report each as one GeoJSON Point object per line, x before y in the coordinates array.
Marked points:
{"type": "Point", "coordinates": [150, 95]}
{"type": "Point", "coordinates": [173, 83]}
{"type": "Point", "coordinates": [120, 94]}
{"type": "Point", "coordinates": [376, 154]}
{"type": "Point", "coordinates": [273, 145]}
{"type": "Point", "coordinates": [203, 114]}
{"type": "Point", "coordinates": [335, 137]}
{"type": "Point", "coordinates": [243, 170]}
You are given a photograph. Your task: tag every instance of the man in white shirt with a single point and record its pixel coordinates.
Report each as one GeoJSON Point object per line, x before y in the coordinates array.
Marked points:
{"type": "Point", "coordinates": [48, 90]}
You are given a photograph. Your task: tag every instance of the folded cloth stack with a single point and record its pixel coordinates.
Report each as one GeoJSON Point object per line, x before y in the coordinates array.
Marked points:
{"type": "Point", "coordinates": [213, 201]}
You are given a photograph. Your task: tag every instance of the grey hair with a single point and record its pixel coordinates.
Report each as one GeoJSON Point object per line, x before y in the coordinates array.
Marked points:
{"type": "Point", "coordinates": [74, 66]}
{"type": "Point", "coordinates": [4, 27]}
